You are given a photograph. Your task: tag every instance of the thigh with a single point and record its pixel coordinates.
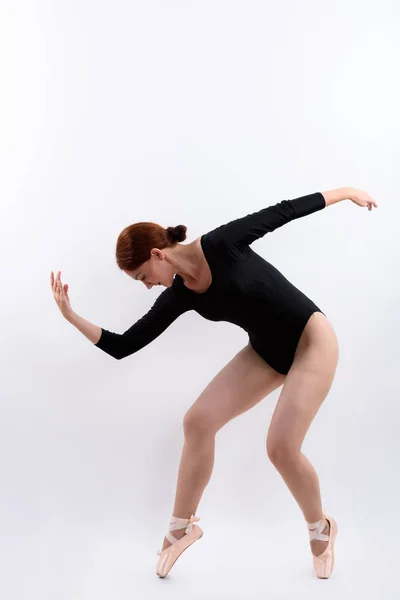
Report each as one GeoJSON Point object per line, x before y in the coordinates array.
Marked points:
{"type": "Point", "coordinates": [306, 386]}
{"type": "Point", "coordinates": [239, 386]}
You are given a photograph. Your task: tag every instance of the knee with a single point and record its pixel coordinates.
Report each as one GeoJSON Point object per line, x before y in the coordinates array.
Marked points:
{"type": "Point", "coordinates": [198, 424]}
{"type": "Point", "coordinates": [281, 452]}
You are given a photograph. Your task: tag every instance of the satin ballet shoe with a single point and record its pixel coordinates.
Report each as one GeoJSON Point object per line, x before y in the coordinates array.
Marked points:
{"type": "Point", "coordinates": [323, 563]}
{"type": "Point", "coordinates": [168, 556]}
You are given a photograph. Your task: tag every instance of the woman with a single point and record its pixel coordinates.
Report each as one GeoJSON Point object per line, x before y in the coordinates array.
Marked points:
{"type": "Point", "coordinates": [291, 342]}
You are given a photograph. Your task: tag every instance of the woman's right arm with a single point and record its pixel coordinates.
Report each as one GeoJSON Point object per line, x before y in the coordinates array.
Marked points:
{"type": "Point", "coordinates": [164, 311]}
{"type": "Point", "coordinates": [167, 307]}
{"type": "Point", "coordinates": [92, 332]}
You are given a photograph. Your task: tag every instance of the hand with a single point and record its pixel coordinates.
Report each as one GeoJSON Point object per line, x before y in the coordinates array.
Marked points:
{"type": "Point", "coordinates": [362, 198]}
{"type": "Point", "coordinates": [61, 295]}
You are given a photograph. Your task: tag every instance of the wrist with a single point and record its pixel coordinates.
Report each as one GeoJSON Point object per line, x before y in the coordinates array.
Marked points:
{"type": "Point", "coordinates": [70, 317]}
{"type": "Point", "coordinates": [337, 195]}
{"type": "Point", "coordinates": [347, 191]}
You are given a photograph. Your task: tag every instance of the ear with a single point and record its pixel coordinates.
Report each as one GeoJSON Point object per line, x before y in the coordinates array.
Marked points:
{"type": "Point", "coordinates": [157, 253]}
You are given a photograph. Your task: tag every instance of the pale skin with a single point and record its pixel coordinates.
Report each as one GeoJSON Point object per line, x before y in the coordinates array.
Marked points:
{"type": "Point", "coordinates": [244, 382]}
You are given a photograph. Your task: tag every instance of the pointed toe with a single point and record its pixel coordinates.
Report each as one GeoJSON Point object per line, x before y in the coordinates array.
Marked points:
{"type": "Point", "coordinates": [324, 563]}
{"type": "Point", "coordinates": [169, 556]}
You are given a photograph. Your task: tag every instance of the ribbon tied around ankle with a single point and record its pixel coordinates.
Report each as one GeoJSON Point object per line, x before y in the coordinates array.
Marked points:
{"type": "Point", "coordinates": [189, 527]}
{"type": "Point", "coordinates": [192, 520]}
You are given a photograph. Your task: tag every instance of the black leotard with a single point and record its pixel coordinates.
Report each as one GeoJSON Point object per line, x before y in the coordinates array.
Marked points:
{"type": "Point", "coordinates": [245, 290]}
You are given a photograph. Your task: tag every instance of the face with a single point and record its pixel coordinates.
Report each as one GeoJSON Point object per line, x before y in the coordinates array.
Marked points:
{"type": "Point", "coordinates": [155, 271]}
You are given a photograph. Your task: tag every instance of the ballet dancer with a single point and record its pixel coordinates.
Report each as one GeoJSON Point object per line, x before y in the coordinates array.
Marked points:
{"type": "Point", "coordinates": [291, 343]}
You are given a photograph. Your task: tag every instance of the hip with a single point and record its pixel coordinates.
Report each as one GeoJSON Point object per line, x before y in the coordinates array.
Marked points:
{"type": "Point", "coordinates": [319, 337]}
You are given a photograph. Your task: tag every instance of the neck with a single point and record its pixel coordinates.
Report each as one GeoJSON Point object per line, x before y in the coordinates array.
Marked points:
{"type": "Point", "coordinates": [184, 259]}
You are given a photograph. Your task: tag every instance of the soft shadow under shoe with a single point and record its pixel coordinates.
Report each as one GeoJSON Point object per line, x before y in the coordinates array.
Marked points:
{"type": "Point", "coordinates": [168, 557]}
{"type": "Point", "coordinates": [323, 563]}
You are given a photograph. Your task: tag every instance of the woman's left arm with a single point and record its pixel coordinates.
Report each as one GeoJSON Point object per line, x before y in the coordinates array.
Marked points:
{"type": "Point", "coordinates": [349, 193]}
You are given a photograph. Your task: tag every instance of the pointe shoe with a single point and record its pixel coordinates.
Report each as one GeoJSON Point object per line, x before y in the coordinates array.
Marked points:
{"type": "Point", "coordinates": [169, 555]}
{"type": "Point", "coordinates": [323, 563]}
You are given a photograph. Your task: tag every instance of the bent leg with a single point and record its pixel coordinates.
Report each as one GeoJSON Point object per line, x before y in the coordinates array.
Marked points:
{"type": "Point", "coordinates": [239, 386]}
{"type": "Point", "coordinates": [306, 387]}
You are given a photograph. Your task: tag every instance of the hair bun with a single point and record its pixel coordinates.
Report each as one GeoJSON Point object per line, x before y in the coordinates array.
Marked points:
{"type": "Point", "coordinates": [177, 234]}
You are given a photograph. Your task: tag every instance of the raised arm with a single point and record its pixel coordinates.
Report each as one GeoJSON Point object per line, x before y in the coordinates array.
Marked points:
{"type": "Point", "coordinates": [245, 230]}
{"type": "Point", "coordinates": [164, 311]}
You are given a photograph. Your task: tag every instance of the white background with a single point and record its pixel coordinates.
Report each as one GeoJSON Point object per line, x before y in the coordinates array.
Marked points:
{"type": "Point", "coordinates": [194, 113]}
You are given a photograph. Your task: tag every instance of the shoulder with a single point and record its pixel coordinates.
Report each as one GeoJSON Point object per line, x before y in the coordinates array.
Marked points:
{"type": "Point", "coordinates": [218, 242]}
{"type": "Point", "coordinates": [169, 298]}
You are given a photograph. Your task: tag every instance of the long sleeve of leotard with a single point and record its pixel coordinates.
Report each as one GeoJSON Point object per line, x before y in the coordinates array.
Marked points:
{"type": "Point", "coordinates": [245, 230]}
{"type": "Point", "coordinates": [164, 311]}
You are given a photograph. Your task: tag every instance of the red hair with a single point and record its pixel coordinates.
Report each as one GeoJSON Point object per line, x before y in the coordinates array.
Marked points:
{"type": "Point", "coordinates": [136, 241]}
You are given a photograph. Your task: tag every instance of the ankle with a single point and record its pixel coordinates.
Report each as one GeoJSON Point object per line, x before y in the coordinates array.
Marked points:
{"type": "Point", "coordinates": [178, 534]}
{"type": "Point", "coordinates": [178, 526]}
{"type": "Point", "coordinates": [313, 524]}
{"type": "Point", "coordinates": [319, 533]}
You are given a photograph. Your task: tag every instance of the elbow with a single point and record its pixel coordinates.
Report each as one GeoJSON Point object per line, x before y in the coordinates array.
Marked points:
{"type": "Point", "coordinates": [112, 345]}
{"type": "Point", "coordinates": [114, 353]}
